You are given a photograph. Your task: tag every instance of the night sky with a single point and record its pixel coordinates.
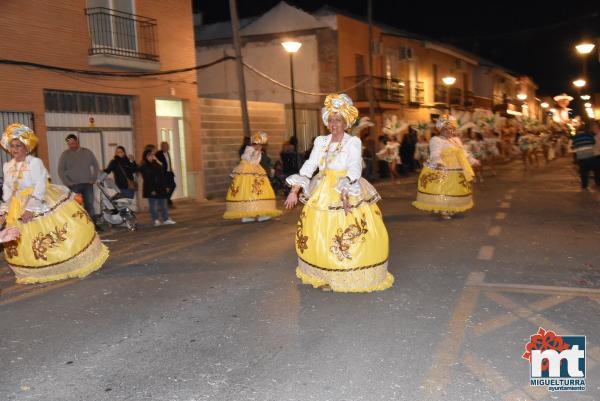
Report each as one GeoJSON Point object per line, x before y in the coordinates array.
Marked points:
{"type": "Point", "coordinates": [531, 38]}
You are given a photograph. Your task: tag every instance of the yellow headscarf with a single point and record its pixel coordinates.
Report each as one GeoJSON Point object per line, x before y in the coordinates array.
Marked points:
{"type": "Point", "coordinates": [260, 138]}
{"type": "Point", "coordinates": [342, 105]}
{"type": "Point", "coordinates": [445, 121]}
{"type": "Point", "coordinates": [22, 133]}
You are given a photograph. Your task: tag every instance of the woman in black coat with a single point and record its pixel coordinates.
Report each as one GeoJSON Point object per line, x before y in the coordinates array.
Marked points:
{"type": "Point", "coordinates": [155, 187]}
{"type": "Point", "coordinates": [123, 168]}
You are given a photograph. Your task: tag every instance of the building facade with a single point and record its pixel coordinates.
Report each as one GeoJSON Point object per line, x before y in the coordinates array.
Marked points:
{"type": "Point", "coordinates": [103, 36]}
{"type": "Point", "coordinates": [408, 69]}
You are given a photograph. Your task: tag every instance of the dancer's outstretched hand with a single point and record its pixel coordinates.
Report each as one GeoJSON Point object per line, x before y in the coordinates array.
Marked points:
{"type": "Point", "coordinates": [291, 201]}
{"type": "Point", "coordinates": [345, 203]}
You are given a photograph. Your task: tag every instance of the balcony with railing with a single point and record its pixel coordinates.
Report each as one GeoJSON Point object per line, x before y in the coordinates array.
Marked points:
{"type": "Point", "coordinates": [440, 94]}
{"type": "Point", "coordinates": [456, 97]}
{"type": "Point", "coordinates": [386, 90]}
{"type": "Point", "coordinates": [469, 102]}
{"type": "Point", "coordinates": [122, 40]}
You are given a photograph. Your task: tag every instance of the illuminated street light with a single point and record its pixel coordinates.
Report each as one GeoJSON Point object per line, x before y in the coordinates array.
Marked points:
{"type": "Point", "coordinates": [580, 83]}
{"type": "Point", "coordinates": [588, 105]}
{"type": "Point", "coordinates": [449, 80]}
{"type": "Point", "coordinates": [544, 105]}
{"type": "Point", "coordinates": [291, 46]}
{"type": "Point", "coordinates": [585, 97]}
{"type": "Point", "coordinates": [522, 96]}
{"type": "Point", "coordinates": [585, 48]}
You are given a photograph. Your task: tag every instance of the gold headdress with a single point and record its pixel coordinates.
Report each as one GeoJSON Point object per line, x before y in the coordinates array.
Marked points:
{"type": "Point", "coordinates": [22, 133]}
{"type": "Point", "coordinates": [342, 105]}
{"type": "Point", "coordinates": [445, 121]}
{"type": "Point", "coordinates": [260, 138]}
{"type": "Point", "coordinates": [563, 96]}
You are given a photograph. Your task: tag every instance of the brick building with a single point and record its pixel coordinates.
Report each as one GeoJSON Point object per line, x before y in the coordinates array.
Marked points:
{"type": "Point", "coordinates": [106, 36]}
{"type": "Point", "coordinates": [407, 68]}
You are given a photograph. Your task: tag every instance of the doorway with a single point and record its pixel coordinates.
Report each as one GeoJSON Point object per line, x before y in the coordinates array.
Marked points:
{"type": "Point", "coordinates": [170, 128]}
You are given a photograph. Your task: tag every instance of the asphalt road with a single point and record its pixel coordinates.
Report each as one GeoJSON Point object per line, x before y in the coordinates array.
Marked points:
{"type": "Point", "coordinates": [211, 310]}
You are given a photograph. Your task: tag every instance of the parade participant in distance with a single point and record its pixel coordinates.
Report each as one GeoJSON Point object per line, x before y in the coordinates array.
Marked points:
{"type": "Point", "coordinates": [57, 237]}
{"type": "Point", "coordinates": [444, 184]}
{"type": "Point", "coordinates": [341, 241]}
{"type": "Point", "coordinates": [250, 195]}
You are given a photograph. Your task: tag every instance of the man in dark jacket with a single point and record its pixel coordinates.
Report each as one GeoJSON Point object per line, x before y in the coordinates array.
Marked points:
{"type": "Point", "coordinates": [164, 157]}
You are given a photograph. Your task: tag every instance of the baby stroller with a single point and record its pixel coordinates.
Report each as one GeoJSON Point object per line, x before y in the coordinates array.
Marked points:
{"type": "Point", "coordinates": [116, 210]}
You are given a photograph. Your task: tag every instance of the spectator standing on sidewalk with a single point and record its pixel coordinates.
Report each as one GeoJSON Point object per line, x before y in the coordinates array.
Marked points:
{"type": "Point", "coordinates": [583, 144]}
{"type": "Point", "coordinates": [78, 169]}
{"type": "Point", "coordinates": [164, 157]}
{"type": "Point", "coordinates": [155, 187]}
{"type": "Point", "coordinates": [123, 167]}
{"type": "Point", "coordinates": [595, 130]}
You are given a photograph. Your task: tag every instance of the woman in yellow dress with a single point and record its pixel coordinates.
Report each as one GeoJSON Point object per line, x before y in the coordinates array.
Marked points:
{"type": "Point", "coordinates": [250, 195]}
{"type": "Point", "coordinates": [58, 239]}
{"type": "Point", "coordinates": [341, 241]}
{"type": "Point", "coordinates": [444, 184]}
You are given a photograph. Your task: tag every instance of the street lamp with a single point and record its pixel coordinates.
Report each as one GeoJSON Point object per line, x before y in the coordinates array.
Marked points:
{"type": "Point", "coordinates": [580, 83]}
{"type": "Point", "coordinates": [585, 97]}
{"type": "Point", "coordinates": [587, 105]}
{"type": "Point", "coordinates": [544, 105]}
{"type": "Point", "coordinates": [522, 96]}
{"type": "Point", "coordinates": [585, 48]}
{"type": "Point", "coordinates": [448, 80]}
{"type": "Point", "coordinates": [292, 47]}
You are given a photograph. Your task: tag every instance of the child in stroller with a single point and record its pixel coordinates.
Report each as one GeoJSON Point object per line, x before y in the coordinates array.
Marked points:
{"type": "Point", "coordinates": [116, 209]}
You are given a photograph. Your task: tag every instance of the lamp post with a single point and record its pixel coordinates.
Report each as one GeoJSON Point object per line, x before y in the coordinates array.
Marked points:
{"type": "Point", "coordinates": [292, 47]}
{"type": "Point", "coordinates": [584, 49]}
{"type": "Point", "coordinates": [448, 81]}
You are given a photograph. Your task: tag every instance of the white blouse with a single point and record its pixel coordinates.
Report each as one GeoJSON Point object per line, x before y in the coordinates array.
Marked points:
{"type": "Point", "coordinates": [349, 158]}
{"type": "Point", "coordinates": [437, 144]}
{"type": "Point", "coordinates": [252, 155]}
{"type": "Point", "coordinates": [33, 174]}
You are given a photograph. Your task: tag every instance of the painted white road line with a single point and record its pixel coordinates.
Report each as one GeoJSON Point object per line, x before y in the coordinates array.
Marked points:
{"type": "Point", "coordinates": [486, 252]}
{"type": "Point", "coordinates": [494, 231]}
{"type": "Point", "coordinates": [500, 216]}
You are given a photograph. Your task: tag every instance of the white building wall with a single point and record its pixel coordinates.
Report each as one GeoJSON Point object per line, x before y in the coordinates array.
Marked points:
{"type": "Point", "coordinates": [220, 81]}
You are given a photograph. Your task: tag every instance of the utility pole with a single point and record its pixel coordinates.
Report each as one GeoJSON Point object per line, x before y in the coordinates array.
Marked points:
{"type": "Point", "coordinates": [370, 89]}
{"type": "Point", "coordinates": [235, 26]}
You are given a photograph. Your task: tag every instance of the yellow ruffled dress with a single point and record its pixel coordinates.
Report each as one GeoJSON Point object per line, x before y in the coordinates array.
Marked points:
{"type": "Point", "coordinates": [60, 242]}
{"type": "Point", "coordinates": [250, 194]}
{"type": "Point", "coordinates": [348, 252]}
{"type": "Point", "coordinates": [448, 188]}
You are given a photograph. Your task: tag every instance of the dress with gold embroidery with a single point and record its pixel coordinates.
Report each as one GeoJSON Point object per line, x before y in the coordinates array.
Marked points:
{"type": "Point", "coordinates": [348, 252]}
{"type": "Point", "coordinates": [250, 194]}
{"type": "Point", "coordinates": [445, 182]}
{"type": "Point", "coordinates": [60, 241]}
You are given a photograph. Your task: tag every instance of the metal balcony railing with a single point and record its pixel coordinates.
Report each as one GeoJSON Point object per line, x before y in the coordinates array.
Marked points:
{"type": "Point", "coordinates": [386, 90]}
{"type": "Point", "coordinates": [469, 99]}
{"type": "Point", "coordinates": [116, 33]}
{"type": "Point", "coordinates": [440, 94]}
{"type": "Point", "coordinates": [456, 97]}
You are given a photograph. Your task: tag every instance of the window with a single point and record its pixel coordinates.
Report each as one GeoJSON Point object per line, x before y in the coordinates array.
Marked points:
{"type": "Point", "coordinates": [86, 103]}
